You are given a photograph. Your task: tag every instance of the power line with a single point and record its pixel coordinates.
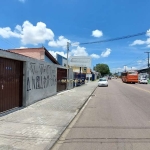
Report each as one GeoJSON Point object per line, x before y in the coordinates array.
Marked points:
{"type": "Point", "coordinates": [129, 64]}
{"type": "Point", "coordinates": [142, 67]}
{"type": "Point", "coordinates": [134, 60]}
{"type": "Point", "coordinates": [114, 39]}
{"type": "Point", "coordinates": [8, 42]}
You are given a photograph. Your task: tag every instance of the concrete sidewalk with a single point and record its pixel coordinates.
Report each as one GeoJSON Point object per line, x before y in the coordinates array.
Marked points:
{"type": "Point", "coordinates": [38, 126]}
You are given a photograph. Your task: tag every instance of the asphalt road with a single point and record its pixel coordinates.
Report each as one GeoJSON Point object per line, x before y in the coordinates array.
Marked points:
{"type": "Point", "coordinates": [115, 118]}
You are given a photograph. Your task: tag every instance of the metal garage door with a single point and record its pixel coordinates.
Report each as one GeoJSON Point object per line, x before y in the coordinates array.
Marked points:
{"type": "Point", "coordinates": [11, 73]}
{"type": "Point", "coordinates": [61, 75]}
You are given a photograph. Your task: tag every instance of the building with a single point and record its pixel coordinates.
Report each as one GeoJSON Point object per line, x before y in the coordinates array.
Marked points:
{"type": "Point", "coordinates": [25, 80]}
{"type": "Point", "coordinates": [61, 60]}
{"type": "Point", "coordinates": [37, 53]}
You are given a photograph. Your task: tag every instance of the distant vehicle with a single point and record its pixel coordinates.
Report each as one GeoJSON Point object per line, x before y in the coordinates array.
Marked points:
{"type": "Point", "coordinates": [103, 82]}
{"type": "Point", "coordinates": [143, 80]}
{"type": "Point", "coordinates": [109, 78]}
{"type": "Point", "coordinates": [106, 77]}
{"type": "Point", "coordinates": [143, 75]}
{"type": "Point", "coordinates": [129, 76]}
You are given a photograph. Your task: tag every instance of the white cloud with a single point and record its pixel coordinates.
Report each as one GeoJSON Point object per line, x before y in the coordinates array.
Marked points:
{"type": "Point", "coordinates": [148, 33]}
{"type": "Point", "coordinates": [141, 42]}
{"type": "Point", "coordinates": [61, 42]}
{"type": "Point", "coordinates": [142, 62]}
{"type": "Point", "coordinates": [118, 69]}
{"type": "Point", "coordinates": [129, 68]}
{"type": "Point", "coordinates": [7, 33]}
{"type": "Point", "coordinates": [35, 34]}
{"type": "Point", "coordinates": [22, 47]}
{"type": "Point", "coordinates": [79, 51]}
{"type": "Point", "coordinates": [148, 41]}
{"type": "Point", "coordinates": [139, 61]}
{"type": "Point", "coordinates": [97, 33]}
{"type": "Point", "coordinates": [133, 68]}
{"type": "Point", "coordinates": [57, 52]}
{"type": "Point", "coordinates": [22, 1]}
{"type": "Point", "coordinates": [75, 44]}
{"type": "Point", "coordinates": [95, 56]}
{"type": "Point", "coordinates": [106, 53]}
{"type": "Point", "coordinates": [137, 42]}
{"type": "Point", "coordinates": [28, 33]}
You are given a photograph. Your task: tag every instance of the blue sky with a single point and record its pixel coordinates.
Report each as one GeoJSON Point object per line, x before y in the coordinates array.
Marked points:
{"type": "Point", "coordinates": [33, 23]}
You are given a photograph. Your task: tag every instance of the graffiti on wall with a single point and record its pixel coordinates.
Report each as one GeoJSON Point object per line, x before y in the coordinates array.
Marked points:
{"type": "Point", "coordinates": [41, 76]}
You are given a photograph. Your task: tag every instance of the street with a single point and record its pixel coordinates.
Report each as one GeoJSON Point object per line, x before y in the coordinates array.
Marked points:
{"type": "Point", "coordinates": [115, 118]}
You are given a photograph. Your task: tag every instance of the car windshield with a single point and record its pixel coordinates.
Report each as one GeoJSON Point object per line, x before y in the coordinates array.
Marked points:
{"type": "Point", "coordinates": [102, 79]}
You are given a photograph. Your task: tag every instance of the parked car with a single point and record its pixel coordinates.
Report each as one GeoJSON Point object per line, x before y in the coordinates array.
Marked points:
{"type": "Point", "coordinates": [143, 80]}
{"type": "Point", "coordinates": [103, 82]}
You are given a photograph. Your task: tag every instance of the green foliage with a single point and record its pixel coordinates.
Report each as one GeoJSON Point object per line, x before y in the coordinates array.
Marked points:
{"type": "Point", "coordinates": [103, 69]}
{"type": "Point", "coordinates": [110, 74]}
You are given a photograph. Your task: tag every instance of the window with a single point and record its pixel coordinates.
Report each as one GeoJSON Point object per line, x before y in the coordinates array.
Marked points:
{"type": "Point", "coordinates": [102, 79]}
{"type": "Point", "coordinates": [132, 73]}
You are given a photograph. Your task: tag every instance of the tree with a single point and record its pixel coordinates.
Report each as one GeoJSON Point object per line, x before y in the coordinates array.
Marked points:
{"type": "Point", "coordinates": [110, 74]}
{"type": "Point", "coordinates": [103, 69]}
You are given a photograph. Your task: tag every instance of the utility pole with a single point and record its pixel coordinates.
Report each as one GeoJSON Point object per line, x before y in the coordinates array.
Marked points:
{"type": "Point", "coordinates": [67, 62]}
{"type": "Point", "coordinates": [125, 68]}
{"type": "Point", "coordinates": [148, 58]}
{"type": "Point", "coordinates": [148, 70]}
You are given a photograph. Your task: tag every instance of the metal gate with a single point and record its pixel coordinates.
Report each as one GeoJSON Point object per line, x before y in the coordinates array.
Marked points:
{"type": "Point", "coordinates": [61, 79]}
{"type": "Point", "coordinates": [11, 75]}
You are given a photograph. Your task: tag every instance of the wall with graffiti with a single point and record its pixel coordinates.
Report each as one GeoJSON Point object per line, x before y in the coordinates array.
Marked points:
{"type": "Point", "coordinates": [38, 78]}
{"type": "Point", "coordinates": [41, 81]}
